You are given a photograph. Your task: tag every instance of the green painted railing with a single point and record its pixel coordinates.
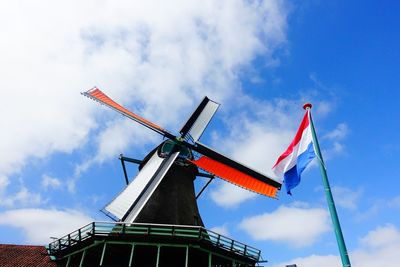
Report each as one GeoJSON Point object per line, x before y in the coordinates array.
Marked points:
{"type": "Point", "coordinates": [100, 229]}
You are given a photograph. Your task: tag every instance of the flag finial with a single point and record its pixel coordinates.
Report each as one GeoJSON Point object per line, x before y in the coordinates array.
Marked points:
{"type": "Point", "coordinates": [307, 106]}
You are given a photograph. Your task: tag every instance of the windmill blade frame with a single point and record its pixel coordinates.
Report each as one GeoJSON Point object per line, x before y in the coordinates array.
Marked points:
{"type": "Point", "coordinates": [127, 205]}
{"type": "Point", "coordinates": [151, 187]}
{"type": "Point", "coordinates": [99, 96]}
{"type": "Point", "coordinates": [234, 172]}
{"type": "Point", "coordinates": [122, 203]}
{"type": "Point", "coordinates": [199, 120]}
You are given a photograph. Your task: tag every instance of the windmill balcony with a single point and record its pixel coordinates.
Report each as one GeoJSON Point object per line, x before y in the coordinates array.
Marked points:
{"type": "Point", "coordinates": [146, 245]}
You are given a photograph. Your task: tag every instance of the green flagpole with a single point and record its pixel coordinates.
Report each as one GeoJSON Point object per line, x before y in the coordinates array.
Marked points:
{"type": "Point", "coordinates": [332, 209]}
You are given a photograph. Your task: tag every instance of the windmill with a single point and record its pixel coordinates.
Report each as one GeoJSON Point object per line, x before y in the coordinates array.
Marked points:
{"type": "Point", "coordinates": [153, 185]}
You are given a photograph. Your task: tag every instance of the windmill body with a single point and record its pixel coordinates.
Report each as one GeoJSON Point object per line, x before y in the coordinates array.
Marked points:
{"type": "Point", "coordinates": [168, 201]}
{"type": "Point", "coordinates": [173, 201]}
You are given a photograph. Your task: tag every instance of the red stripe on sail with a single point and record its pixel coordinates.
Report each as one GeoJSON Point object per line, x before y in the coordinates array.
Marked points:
{"type": "Point", "coordinates": [235, 176]}
{"type": "Point", "coordinates": [102, 97]}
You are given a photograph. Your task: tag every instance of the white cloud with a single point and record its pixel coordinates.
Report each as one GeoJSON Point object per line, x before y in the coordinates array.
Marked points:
{"type": "Point", "coordinates": [394, 202]}
{"type": "Point", "coordinates": [336, 136]}
{"type": "Point", "coordinates": [323, 108]}
{"type": "Point", "coordinates": [339, 133]}
{"type": "Point", "coordinates": [4, 181]}
{"type": "Point", "coordinates": [257, 145]}
{"type": "Point", "coordinates": [24, 197]}
{"type": "Point", "coordinates": [347, 198]}
{"type": "Point", "coordinates": [113, 140]}
{"type": "Point", "coordinates": [159, 58]}
{"type": "Point", "coordinates": [375, 207]}
{"type": "Point", "coordinates": [378, 248]}
{"type": "Point", "coordinates": [372, 211]}
{"type": "Point", "coordinates": [313, 261]}
{"type": "Point", "coordinates": [39, 225]}
{"type": "Point", "coordinates": [382, 236]}
{"type": "Point", "coordinates": [337, 148]}
{"type": "Point", "coordinates": [50, 182]}
{"type": "Point", "coordinates": [295, 226]}
{"type": "Point", "coordinates": [222, 230]}
{"type": "Point", "coordinates": [229, 196]}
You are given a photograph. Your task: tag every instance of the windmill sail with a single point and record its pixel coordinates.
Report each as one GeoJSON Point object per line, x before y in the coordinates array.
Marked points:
{"type": "Point", "coordinates": [128, 204]}
{"type": "Point", "coordinates": [200, 118]}
{"type": "Point", "coordinates": [123, 202]}
{"type": "Point", "coordinates": [97, 95]}
{"type": "Point", "coordinates": [235, 172]}
{"type": "Point", "coordinates": [151, 187]}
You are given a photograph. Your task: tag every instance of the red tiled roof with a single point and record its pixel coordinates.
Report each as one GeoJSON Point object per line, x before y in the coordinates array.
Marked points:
{"type": "Point", "coordinates": [23, 256]}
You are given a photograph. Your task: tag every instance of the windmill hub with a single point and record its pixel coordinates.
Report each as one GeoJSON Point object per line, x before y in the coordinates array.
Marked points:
{"type": "Point", "coordinates": [170, 146]}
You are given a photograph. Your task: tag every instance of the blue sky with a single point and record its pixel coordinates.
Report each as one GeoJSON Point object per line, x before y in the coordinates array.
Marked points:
{"type": "Point", "coordinates": [260, 60]}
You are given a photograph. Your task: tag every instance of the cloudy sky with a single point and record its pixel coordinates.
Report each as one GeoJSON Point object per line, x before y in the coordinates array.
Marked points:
{"type": "Point", "coordinates": [260, 59]}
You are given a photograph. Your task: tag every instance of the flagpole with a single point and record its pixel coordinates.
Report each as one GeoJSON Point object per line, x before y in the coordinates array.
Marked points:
{"type": "Point", "coordinates": [331, 204]}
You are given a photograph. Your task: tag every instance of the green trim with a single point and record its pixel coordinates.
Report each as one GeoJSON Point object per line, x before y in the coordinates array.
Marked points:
{"type": "Point", "coordinates": [133, 230]}
{"type": "Point", "coordinates": [158, 245]}
{"type": "Point", "coordinates": [102, 253]}
{"type": "Point", "coordinates": [68, 261]}
{"type": "Point", "coordinates": [96, 243]}
{"type": "Point", "coordinates": [187, 256]}
{"type": "Point", "coordinates": [131, 256]}
{"type": "Point", "coordinates": [82, 258]}
{"type": "Point", "coordinates": [222, 256]}
{"type": "Point", "coordinates": [158, 256]}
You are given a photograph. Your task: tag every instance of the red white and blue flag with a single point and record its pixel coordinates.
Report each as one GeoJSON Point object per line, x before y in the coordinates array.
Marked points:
{"type": "Point", "coordinates": [297, 156]}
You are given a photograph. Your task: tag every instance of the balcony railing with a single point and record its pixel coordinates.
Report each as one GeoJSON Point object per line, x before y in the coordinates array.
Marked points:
{"type": "Point", "coordinates": [109, 229]}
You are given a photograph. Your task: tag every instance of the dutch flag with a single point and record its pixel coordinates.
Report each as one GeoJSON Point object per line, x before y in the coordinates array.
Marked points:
{"type": "Point", "coordinates": [297, 156]}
